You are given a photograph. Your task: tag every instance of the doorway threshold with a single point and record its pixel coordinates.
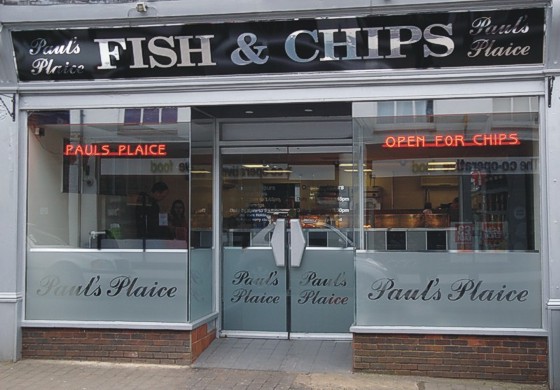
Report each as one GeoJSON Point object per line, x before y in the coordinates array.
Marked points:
{"type": "Point", "coordinates": [300, 355]}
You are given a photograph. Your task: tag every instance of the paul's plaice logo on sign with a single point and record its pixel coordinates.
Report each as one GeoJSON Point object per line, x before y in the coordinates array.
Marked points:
{"type": "Point", "coordinates": [487, 47]}
{"type": "Point", "coordinates": [374, 42]}
{"type": "Point", "coordinates": [46, 54]}
{"type": "Point", "coordinates": [461, 289]}
{"type": "Point", "coordinates": [315, 294]}
{"type": "Point", "coordinates": [96, 286]}
{"type": "Point", "coordinates": [253, 288]}
{"type": "Point", "coordinates": [265, 288]}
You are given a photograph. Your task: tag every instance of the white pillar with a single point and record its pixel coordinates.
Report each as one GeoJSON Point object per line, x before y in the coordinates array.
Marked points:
{"type": "Point", "coordinates": [552, 161]}
{"type": "Point", "coordinates": [552, 185]}
{"type": "Point", "coordinates": [11, 269]}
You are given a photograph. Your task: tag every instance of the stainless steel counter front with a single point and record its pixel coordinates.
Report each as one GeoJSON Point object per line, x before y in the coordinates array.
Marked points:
{"type": "Point", "coordinates": [411, 239]}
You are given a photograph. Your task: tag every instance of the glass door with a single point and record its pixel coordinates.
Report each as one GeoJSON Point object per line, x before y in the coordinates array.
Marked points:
{"type": "Point", "coordinates": [288, 254]}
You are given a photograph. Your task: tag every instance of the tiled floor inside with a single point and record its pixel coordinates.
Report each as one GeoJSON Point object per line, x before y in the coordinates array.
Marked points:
{"type": "Point", "coordinates": [282, 355]}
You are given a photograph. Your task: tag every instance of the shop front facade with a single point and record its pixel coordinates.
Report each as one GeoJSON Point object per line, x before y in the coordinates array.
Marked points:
{"type": "Point", "coordinates": [381, 173]}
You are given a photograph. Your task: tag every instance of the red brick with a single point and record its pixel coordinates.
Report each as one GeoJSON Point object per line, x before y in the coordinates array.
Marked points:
{"type": "Point", "coordinates": [148, 346]}
{"type": "Point", "coordinates": [453, 356]}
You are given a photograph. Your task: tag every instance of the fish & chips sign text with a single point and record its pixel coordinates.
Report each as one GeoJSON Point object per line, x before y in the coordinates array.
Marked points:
{"type": "Point", "coordinates": [406, 41]}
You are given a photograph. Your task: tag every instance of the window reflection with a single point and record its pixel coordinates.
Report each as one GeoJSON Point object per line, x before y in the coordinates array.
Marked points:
{"type": "Point", "coordinates": [108, 178]}
{"type": "Point", "coordinates": [461, 176]}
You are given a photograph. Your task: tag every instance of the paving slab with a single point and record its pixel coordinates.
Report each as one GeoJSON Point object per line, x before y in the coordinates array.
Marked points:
{"type": "Point", "coordinates": [75, 375]}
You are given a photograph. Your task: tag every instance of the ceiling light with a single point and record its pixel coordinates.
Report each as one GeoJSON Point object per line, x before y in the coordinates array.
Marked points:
{"type": "Point", "coordinates": [277, 171]}
{"type": "Point", "coordinates": [442, 166]}
{"type": "Point", "coordinates": [255, 166]}
{"type": "Point", "coordinates": [442, 169]}
{"type": "Point", "coordinates": [441, 163]}
{"type": "Point", "coordinates": [349, 165]}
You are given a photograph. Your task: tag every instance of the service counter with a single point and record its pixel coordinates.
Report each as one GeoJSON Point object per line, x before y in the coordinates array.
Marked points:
{"type": "Point", "coordinates": [411, 232]}
{"type": "Point", "coordinates": [326, 236]}
{"type": "Point", "coordinates": [411, 239]}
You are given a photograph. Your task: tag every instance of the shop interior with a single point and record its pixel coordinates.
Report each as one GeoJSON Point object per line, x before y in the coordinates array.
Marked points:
{"type": "Point", "coordinates": [484, 192]}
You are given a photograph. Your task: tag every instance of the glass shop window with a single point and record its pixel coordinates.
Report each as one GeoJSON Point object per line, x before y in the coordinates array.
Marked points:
{"type": "Point", "coordinates": [150, 115]}
{"type": "Point", "coordinates": [447, 175]}
{"type": "Point", "coordinates": [112, 178]}
{"type": "Point", "coordinates": [404, 111]}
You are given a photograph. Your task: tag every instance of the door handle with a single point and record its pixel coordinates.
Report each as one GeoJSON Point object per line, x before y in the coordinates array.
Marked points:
{"type": "Point", "coordinates": [298, 243]}
{"type": "Point", "coordinates": [278, 242]}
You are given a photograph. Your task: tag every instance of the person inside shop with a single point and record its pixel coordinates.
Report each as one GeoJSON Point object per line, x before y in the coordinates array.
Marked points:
{"type": "Point", "coordinates": [454, 210]}
{"type": "Point", "coordinates": [151, 223]}
{"type": "Point", "coordinates": [427, 208]}
{"type": "Point", "coordinates": [178, 220]}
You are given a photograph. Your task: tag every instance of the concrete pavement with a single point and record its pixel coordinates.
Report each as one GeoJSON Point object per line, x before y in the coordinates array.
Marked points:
{"type": "Point", "coordinates": [73, 375]}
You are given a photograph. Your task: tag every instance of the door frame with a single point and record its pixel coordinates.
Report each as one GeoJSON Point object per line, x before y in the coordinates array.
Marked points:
{"type": "Point", "coordinates": [304, 146]}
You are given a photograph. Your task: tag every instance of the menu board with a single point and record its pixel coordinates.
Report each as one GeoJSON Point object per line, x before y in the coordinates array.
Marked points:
{"type": "Point", "coordinates": [278, 200]}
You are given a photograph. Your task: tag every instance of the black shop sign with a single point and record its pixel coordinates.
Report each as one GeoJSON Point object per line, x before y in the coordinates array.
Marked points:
{"type": "Point", "coordinates": [415, 41]}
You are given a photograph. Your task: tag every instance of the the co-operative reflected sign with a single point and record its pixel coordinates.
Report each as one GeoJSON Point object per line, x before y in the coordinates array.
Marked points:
{"type": "Point", "coordinates": [415, 41]}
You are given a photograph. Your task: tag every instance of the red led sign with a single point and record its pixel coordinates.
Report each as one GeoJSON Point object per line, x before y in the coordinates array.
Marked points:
{"type": "Point", "coordinates": [451, 141]}
{"type": "Point", "coordinates": [116, 150]}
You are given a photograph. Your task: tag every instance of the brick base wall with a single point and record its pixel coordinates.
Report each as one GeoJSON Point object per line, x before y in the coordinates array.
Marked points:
{"type": "Point", "coordinates": [115, 345]}
{"type": "Point", "coordinates": [201, 339]}
{"type": "Point", "coordinates": [509, 358]}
